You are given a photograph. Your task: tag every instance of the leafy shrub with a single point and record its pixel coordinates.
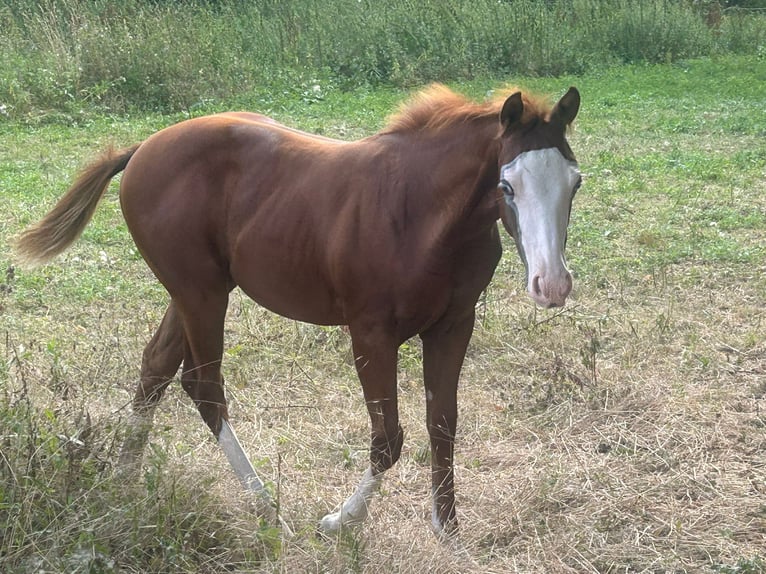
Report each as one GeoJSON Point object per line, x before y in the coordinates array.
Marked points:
{"type": "Point", "coordinates": [655, 31]}
{"type": "Point", "coordinates": [142, 54]}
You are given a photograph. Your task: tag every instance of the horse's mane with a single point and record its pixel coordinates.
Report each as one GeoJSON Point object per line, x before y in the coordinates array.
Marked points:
{"type": "Point", "coordinates": [437, 107]}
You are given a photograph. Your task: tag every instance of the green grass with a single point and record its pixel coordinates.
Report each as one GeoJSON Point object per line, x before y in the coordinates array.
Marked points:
{"type": "Point", "coordinates": [621, 433]}
{"type": "Point", "coordinates": [74, 55]}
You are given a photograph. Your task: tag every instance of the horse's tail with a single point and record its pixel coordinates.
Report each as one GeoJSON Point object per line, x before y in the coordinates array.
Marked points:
{"type": "Point", "coordinates": [54, 233]}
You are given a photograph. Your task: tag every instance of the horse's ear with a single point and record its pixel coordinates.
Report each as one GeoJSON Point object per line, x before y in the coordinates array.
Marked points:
{"type": "Point", "coordinates": [565, 111]}
{"type": "Point", "coordinates": [513, 108]}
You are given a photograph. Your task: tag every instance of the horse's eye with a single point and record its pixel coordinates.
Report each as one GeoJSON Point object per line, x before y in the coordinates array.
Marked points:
{"type": "Point", "coordinates": [506, 188]}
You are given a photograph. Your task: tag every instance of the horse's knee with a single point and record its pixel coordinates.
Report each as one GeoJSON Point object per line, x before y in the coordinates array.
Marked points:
{"type": "Point", "coordinates": [149, 392]}
{"type": "Point", "coordinates": [385, 449]}
{"type": "Point", "coordinates": [159, 364]}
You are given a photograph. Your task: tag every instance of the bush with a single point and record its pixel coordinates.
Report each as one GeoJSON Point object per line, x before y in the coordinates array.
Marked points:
{"type": "Point", "coordinates": [655, 31]}
{"type": "Point", "coordinates": [142, 54]}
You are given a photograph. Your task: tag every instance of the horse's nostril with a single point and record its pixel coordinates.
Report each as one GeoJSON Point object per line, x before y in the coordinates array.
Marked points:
{"type": "Point", "coordinates": [536, 289]}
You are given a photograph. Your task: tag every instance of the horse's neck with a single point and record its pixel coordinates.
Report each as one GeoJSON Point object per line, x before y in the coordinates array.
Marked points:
{"type": "Point", "coordinates": [461, 175]}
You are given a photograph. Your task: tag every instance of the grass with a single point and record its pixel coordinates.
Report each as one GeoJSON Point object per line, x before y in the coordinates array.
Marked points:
{"type": "Point", "coordinates": [75, 55]}
{"type": "Point", "coordinates": [623, 433]}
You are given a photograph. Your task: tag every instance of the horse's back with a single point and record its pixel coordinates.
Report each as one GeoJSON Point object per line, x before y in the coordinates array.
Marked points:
{"type": "Point", "coordinates": [209, 152]}
{"type": "Point", "coordinates": [261, 119]}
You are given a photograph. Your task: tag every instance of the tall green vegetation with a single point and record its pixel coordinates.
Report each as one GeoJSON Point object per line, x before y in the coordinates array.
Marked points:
{"type": "Point", "coordinates": [160, 54]}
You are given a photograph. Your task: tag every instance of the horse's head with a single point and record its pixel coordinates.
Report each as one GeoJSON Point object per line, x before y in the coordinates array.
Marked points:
{"type": "Point", "coordinates": [538, 180]}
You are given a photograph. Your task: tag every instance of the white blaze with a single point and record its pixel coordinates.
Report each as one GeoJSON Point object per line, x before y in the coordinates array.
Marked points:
{"type": "Point", "coordinates": [543, 182]}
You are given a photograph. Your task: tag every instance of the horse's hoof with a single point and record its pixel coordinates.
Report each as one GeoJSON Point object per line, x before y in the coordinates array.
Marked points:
{"type": "Point", "coordinates": [330, 525]}
{"type": "Point", "coordinates": [334, 523]}
{"type": "Point", "coordinates": [445, 532]}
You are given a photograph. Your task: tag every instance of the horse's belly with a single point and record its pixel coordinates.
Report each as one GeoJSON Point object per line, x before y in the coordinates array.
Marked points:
{"type": "Point", "coordinates": [295, 297]}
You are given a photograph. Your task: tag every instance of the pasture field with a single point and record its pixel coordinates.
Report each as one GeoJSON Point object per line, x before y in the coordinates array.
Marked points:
{"type": "Point", "coordinates": [623, 433]}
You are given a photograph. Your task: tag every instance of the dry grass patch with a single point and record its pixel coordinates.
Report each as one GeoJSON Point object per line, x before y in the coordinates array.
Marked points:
{"type": "Point", "coordinates": [624, 433]}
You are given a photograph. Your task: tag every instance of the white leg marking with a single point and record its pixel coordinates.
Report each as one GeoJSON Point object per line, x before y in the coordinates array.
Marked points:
{"type": "Point", "coordinates": [440, 529]}
{"type": "Point", "coordinates": [436, 524]}
{"type": "Point", "coordinates": [354, 510]}
{"type": "Point", "coordinates": [238, 460]}
{"type": "Point", "coordinates": [443, 535]}
{"type": "Point", "coordinates": [136, 437]}
{"type": "Point", "coordinates": [244, 470]}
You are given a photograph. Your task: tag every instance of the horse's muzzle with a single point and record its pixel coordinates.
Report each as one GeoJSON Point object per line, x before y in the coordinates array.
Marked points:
{"type": "Point", "coordinates": [550, 291]}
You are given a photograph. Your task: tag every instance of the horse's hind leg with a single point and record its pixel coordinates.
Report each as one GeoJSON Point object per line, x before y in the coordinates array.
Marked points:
{"type": "Point", "coordinates": [161, 359]}
{"type": "Point", "coordinates": [201, 378]}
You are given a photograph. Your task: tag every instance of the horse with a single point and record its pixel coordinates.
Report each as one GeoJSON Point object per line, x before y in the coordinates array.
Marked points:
{"type": "Point", "coordinates": [393, 235]}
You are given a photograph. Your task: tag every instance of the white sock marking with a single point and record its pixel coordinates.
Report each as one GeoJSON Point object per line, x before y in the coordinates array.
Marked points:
{"type": "Point", "coordinates": [354, 510]}
{"type": "Point", "coordinates": [244, 470]}
{"type": "Point", "coordinates": [238, 460]}
{"type": "Point", "coordinates": [136, 437]}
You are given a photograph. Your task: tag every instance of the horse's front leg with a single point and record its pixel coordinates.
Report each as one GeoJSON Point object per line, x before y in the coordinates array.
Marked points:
{"type": "Point", "coordinates": [375, 355]}
{"type": "Point", "coordinates": [444, 347]}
